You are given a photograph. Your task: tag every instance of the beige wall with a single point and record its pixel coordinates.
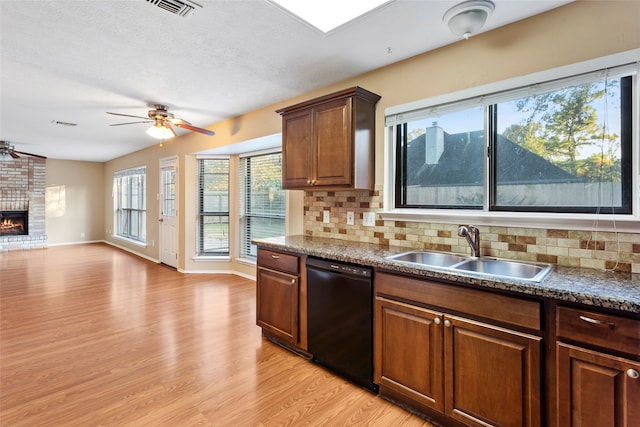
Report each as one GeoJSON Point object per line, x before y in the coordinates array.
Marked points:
{"type": "Point", "coordinates": [576, 32]}
{"type": "Point", "coordinates": [74, 197]}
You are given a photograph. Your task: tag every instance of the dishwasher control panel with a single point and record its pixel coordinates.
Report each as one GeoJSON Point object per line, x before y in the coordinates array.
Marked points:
{"type": "Point", "coordinates": [339, 267]}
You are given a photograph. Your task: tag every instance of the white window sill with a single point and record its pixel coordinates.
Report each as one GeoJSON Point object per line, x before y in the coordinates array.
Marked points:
{"type": "Point", "coordinates": [212, 258]}
{"type": "Point", "coordinates": [246, 261]}
{"type": "Point", "coordinates": [590, 222]}
{"type": "Point", "coordinates": [131, 241]}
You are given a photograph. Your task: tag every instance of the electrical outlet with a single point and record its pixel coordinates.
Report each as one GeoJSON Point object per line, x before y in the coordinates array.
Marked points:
{"type": "Point", "coordinates": [326, 217]}
{"type": "Point", "coordinates": [350, 218]}
{"type": "Point", "coordinates": [369, 219]}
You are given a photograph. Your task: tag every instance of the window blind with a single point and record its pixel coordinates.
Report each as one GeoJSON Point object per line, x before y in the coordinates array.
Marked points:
{"type": "Point", "coordinates": [213, 206]}
{"type": "Point", "coordinates": [433, 107]}
{"type": "Point", "coordinates": [262, 200]}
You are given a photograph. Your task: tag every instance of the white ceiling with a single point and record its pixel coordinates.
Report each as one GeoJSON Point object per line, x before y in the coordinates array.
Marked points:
{"type": "Point", "coordinates": [74, 60]}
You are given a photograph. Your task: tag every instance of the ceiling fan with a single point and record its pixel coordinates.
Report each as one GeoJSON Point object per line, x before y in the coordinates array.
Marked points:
{"type": "Point", "coordinates": [8, 152]}
{"type": "Point", "coordinates": [162, 121]}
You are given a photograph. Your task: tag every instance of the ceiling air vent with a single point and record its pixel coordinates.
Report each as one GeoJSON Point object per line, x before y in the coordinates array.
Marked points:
{"type": "Point", "coordinates": [182, 8]}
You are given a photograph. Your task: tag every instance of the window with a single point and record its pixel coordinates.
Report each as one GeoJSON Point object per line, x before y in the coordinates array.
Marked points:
{"type": "Point", "coordinates": [130, 192]}
{"type": "Point", "coordinates": [563, 146]}
{"type": "Point", "coordinates": [213, 207]}
{"type": "Point", "coordinates": [262, 200]}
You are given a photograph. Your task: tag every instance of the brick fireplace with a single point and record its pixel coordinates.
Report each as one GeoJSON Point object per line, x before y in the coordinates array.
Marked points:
{"type": "Point", "coordinates": [22, 192]}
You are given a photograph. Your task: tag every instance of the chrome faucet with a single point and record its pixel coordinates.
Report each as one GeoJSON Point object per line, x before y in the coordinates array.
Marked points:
{"type": "Point", "coordinates": [466, 231]}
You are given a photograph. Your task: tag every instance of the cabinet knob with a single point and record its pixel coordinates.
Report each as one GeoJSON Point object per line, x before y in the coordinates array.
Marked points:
{"type": "Point", "coordinates": [308, 181]}
{"type": "Point", "coordinates": [447, 323]}
{"type": "Point", "coordinates": [293, 281]}
{"type": "Point", "coordinates": [436, 320]}
{"type": "Point", "coordinates": [632, 373]}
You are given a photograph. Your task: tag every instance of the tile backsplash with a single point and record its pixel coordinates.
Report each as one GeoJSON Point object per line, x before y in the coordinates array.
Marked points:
{"type": "Point", "coordinates": [598, 250]}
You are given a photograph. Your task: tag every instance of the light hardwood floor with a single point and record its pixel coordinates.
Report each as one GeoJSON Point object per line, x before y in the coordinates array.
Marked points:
{"type": "Point", "coordinates": [94, 336]}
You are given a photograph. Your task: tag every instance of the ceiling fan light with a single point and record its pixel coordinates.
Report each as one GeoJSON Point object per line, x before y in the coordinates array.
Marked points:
{"type": "Point", "coordinates": [467, 18]}
{"type": "Point", "coordinates": [159, 131]}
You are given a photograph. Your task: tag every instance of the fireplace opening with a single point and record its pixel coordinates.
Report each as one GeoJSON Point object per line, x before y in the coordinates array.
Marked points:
{"type": "Point", "coordinates": [14, 223]}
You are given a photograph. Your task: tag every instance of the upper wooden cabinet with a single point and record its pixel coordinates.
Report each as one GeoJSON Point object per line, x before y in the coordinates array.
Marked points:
{"type": "Point", "coordinates": [329, 142]}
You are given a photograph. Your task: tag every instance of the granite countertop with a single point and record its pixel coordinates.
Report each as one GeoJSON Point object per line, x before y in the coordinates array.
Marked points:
{"type": "Point", "coordinates": [614, 290]}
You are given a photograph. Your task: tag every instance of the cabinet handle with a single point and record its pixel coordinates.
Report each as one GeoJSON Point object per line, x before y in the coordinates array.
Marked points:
{"type": "Point", "coordinates": [632, 373]}
{"type": "Point", "coordinates": [447, 323]}
{"type": "Point", "coordinates": [597, 322]}
{"type": "Point", "coordinates": [436, 320]}
{"type": "Point", "coordinates": [275, 257]}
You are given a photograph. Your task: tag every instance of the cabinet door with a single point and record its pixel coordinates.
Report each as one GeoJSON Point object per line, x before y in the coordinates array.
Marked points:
{"type": "Point", "coordinates": [277, 304]}
{"type": "Point", "coordinates": [297, 149]}
{"type": "Point", "coordinates": [408, 351]}
{"type": "Point", "coordinates": [333, 144]}
{"type": "Point", "coordinates": [492, 375]}
{"type": "Point", "coordinates": [596, 389]}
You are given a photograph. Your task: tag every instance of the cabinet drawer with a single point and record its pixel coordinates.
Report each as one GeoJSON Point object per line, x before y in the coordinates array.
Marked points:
{"type": "Point", "coordinates": [486, 304]}
{"type": "Point", "coordinates": [279, 261]}
{"type": "Point", "coordinates": [604, 330]}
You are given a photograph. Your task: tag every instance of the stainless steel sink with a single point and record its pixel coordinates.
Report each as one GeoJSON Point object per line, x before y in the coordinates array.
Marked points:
{"type": "Point", "coordinates": [435, 259]}
{"type": "Point", "coordinates": [505, 268]}
{"type": "Point", "coordinates": [490, 267]}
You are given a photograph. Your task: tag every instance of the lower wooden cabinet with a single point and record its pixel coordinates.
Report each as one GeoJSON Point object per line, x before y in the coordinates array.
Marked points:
{"type": "Point", "coordinates": [492, 374]}
{"type": "Point", "coordinates": [472, 372]}
{"type": "Point", "coordinates": [597, 389]}
{"type": "Point", "coordinates": [277, 304]}
{"type": "Point", "coordinates": [597, 386]}
{"type": "Point", "coordinates": [278, 295]}
{"type": "Point", "coordinates": [409, 352]}
{"type": "Point", "coordinates": [438, 350]}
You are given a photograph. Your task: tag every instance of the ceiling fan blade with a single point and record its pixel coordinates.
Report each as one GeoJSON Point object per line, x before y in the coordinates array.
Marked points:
{"type": "Point", "coordinates": [168, 126]}
{"type": "Point", "coordinates": [131, 123]}
{"type": "Point", "coordinates": [26, 154]}
{"type": "Point", "coordinates": [176, 121]}
{"type": "Point", "coordinates": [195, 129]}
{"type": "Point", "coordinates": [128, 115]}
{"type": "Point", "coordinates": [13, 154]}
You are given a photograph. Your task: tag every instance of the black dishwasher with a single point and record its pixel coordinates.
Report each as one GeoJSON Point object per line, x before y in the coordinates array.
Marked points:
{"type": "Point", "coordinates": [340, 319]}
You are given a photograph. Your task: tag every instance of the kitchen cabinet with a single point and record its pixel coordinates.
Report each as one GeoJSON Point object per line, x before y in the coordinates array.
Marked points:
{"type": "Point", "coordinates": [329, 142]}
{"type": "Point", "coordinates": [432, 352]}
{"type": "Point", "coordinates": [597, 384]}
{"type": "Point", "coordinates": [278, 295]}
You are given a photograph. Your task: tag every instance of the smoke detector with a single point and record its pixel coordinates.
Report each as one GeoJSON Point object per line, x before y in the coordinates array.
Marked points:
{"type": "Point", "coordinates": [182, 8]}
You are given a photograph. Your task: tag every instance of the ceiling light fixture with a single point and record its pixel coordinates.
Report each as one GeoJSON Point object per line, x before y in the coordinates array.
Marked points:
{"type": "Point", "coordinates": [327, 15]}
{"type": "Point", "coordinates": [467, 18]}
{"type": "Point", "coordinates": [160, 131]}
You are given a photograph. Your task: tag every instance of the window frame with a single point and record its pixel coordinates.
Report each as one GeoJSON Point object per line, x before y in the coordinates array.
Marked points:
{"type": "Point", "coordinates": [242, 188]}
{"type": "Point", "coordinates": [118, 176]}
{"type": "Point", "coordinates": [535, 219]}
{"type": "Point", "coordinates": [200, 253]}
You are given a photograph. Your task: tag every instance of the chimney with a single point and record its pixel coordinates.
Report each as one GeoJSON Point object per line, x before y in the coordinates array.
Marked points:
{"type": "Point", "coordinates": [434, 144]}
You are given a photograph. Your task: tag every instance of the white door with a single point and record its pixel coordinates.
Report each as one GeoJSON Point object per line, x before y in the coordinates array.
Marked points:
{"type": "Point", "coordinates": [169, 212]}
